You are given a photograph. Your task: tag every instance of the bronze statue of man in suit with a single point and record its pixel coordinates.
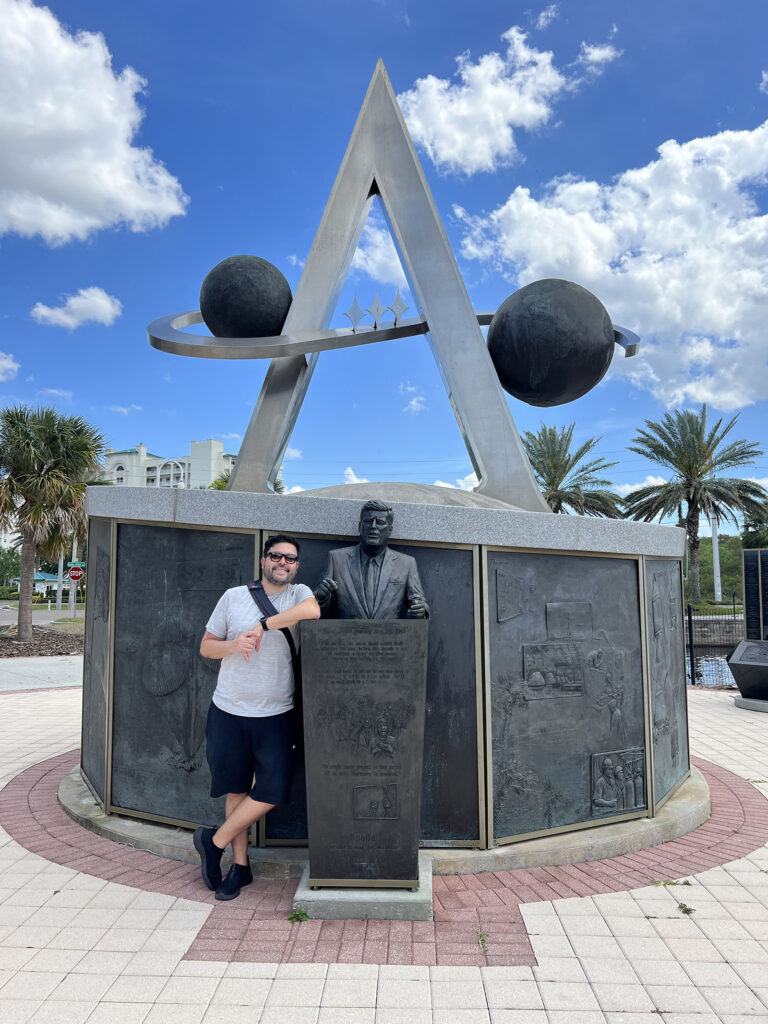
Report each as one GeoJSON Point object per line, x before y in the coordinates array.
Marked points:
{"type": "Point", "coordinates": [368, 581]}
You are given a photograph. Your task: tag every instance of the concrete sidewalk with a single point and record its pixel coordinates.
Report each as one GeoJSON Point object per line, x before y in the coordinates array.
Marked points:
{"type": "Point", "coordinates": [41, 673]}
{"type": "Point", "coordinates": [77, 947]}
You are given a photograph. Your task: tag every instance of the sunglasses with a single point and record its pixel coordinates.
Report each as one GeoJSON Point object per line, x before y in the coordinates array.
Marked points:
{"type": "Point", "coordinates": [275, 556]}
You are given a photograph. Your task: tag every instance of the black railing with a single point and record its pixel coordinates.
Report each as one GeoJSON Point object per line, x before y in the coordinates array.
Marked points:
{"type": "Point", "coordinates": [711, 635]}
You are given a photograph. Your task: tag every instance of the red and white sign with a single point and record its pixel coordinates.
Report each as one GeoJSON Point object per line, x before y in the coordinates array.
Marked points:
{"type": "Point", "coordinates": [75, 573]}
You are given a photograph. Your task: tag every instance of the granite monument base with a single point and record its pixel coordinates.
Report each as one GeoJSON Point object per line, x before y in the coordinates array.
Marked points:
{"type": "Point", "coordinates": [364, 685]}
{"type": "Point", "coordinates": [372, 904]}
{"type": "Point", "coordinates": [749, 668]}
{"type": "Point", "coordinates": [555, 673]}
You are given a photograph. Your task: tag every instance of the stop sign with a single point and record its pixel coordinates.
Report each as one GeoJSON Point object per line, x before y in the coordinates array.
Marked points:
{"type": "Point", "coordinates": [75, 573]}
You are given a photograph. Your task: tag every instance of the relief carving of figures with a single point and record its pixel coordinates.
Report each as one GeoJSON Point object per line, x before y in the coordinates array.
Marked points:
{"type": "Point", "coordinates": [368, 725]}
{"type": "Point", "coordinates": [611, 700]}
{"type": "Point", "coordinates": [375, 801]}
{"type": "Point", "coordinates": [618, 781]}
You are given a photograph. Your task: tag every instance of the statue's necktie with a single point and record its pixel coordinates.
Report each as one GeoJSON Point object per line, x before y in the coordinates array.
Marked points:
{"type": "Point", "coordinates": [369, 584]}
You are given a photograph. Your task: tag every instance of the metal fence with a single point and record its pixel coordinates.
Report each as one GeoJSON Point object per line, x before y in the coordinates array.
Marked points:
{"type": "Point", "coordinates": [710, 637]}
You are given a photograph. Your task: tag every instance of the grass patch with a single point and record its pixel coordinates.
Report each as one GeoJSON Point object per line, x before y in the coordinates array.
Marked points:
{"type": "Point", "coordinates": [74, 627]}
{"type": "Point", "coordinates": [298, 915]}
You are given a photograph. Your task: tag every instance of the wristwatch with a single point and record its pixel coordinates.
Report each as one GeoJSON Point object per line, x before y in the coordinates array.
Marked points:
{"type": "Point", "coordinates": [264, 625]}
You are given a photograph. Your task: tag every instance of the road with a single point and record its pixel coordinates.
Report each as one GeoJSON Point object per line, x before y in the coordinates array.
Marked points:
{"type": "Point", "coordinates": [40, 616]}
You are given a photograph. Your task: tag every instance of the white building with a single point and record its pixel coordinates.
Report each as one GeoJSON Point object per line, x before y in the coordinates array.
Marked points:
{"type": "Point", "coordinates": [136, 467]}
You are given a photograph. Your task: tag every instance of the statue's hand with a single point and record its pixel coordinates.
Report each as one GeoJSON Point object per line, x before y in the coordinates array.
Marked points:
{"type": "Point", "coordinates": [417, 609]}
{"type": "Point", "coordinates": [324, 590]}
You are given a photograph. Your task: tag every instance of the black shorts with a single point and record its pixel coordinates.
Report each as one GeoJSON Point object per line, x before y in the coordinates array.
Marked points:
{"type": "Point", "coordinates": [239, 748]}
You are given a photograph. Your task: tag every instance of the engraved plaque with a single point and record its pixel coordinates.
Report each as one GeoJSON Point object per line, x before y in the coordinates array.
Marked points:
{"type": "Point", "coordinates": [666, 665]}
{"type": "Point", "coordinates": [567, 620]}
{"type": "Point", "coordinates": [509, 596]}
{"type": "Point", "coordinates": [364, 694]}
{"type": "Point", "coordinates": [96, 657]}
{"type": "Point", "coordinates": [168, 583]}
{"type": "Point", "coordinates": [749, 668]}
{"type": "Point", "coordinates": [752, 620]}
{"type": "Point", "coordinates": [566, 686]}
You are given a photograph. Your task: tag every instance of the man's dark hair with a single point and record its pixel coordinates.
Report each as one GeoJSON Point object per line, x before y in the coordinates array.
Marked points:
{"type": "Point", "coordinates": [280, 538]}
{"type": "Point", "coordinates": [377, 506]}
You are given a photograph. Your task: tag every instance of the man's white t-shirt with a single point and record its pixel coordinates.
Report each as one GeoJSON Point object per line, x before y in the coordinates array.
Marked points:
{"type": "Point", "coordinates": [263, 685]}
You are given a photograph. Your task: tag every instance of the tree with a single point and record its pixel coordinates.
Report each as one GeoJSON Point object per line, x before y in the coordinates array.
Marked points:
{"type": "Point", "coordinates": [45, 462]}
{"type": "Point", "coordinates": [755, 532]}
{"type": "Point", "coordinates": [683, 443]}
{"type": "Point", "coordinates": [566, 481]}
{"type": "Point", "coordinates": [10, 563]}
{"type": "Point", "coordinates": [221, 481]}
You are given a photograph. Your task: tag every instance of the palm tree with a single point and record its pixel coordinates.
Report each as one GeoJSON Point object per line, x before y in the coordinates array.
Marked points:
{"type": "Point", "coordinates": [45, 459]}
{"type": "Point", "coordinates": [565, 480]}
{"type": "Point", "coordinates": [695, 454]}
{"type": "Point", "coordinates": [221, 481]}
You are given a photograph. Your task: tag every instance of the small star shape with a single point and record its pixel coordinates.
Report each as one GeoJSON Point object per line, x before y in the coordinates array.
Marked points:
{"type": "Point", "coordinates": [398, 307]}
{"type": "Point", "coordinates": [377, 310]}
{"type": "Point", "coordinates": [355, 314]}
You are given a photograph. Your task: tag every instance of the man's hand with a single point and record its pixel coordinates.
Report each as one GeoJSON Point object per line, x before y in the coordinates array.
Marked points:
{"type": "Point", "coordinates": [417, 609]}
{"type": "Point", "coordinates": [248, 642]}
{"type": "Point", "coordinates": [325, 590]}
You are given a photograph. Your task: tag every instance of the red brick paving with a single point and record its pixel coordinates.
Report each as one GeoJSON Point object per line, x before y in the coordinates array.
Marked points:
{"type": "Point", "coordinates": [256, 929]}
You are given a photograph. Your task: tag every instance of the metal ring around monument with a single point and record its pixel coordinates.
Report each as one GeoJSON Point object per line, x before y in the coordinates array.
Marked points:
{"type": "Point", "coordinates": [166, 334]}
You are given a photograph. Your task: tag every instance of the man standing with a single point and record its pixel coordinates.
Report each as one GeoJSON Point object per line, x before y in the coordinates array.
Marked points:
{"type": "Point", "coordinates": [250, 727]}
{"type": "Point", "coordinates": [368, 581]}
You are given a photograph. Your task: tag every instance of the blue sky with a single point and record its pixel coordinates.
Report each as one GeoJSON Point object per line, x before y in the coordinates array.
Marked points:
{"type": "Point", "coordinates": [620, 146]}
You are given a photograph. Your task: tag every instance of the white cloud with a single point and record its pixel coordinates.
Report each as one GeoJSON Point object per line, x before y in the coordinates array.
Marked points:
{"type": "Point", "coordinates": [8, 366]}
{"type": "Point", "coordinates": [625, 489]}
{"type": "Point", "coordinates": [350, 477]}
{"type": "Point", "coordinates": [377, 257]}
{"type": "Point", "coordinates": [68, 124]}
{"type": "Point", "coordinates": [56, 393]}
{"type": "Point", "coordinates": [547, 16]}
{"type": "Point", "coordinates": [468, 124]}
{"type": "Point", "coordinates": [597, 55]}
{"type": "Point", "coordinates": [230, 437]}
{"type": "Point", "coordinates": [124, 410]}
{"type": "Point", "coordinates": [416, 405]}
{"type": "Point", "coordinates": [89, 305]}
{"type": "Point", "coordinates": [296, 489]}
{"type": "Point", "coordinates": [416, 401]}
{"type": "Point", "coordinates": [465, 483]}
{"type": "Point", "coordinates": [677, 250]}
{"type": "Point", "coordinates": [291, 453]}
{"type": "Point", "coordinates": [763, 87]}
{"type": "Point", "coordinates": [295, 261]}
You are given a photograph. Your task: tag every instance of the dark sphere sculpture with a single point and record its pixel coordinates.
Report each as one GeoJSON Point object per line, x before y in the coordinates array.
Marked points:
{"type": "Point", "coordinates": [550, 342]}
{"type": "Point", "coordinates": [245, 297]}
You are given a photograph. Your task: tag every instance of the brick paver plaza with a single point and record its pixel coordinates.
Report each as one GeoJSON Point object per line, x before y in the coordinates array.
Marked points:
{"type": "Point", "coordinates": [93, 931]}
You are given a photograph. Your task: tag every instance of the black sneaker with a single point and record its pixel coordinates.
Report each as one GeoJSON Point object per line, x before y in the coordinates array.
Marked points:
{"type": "Point", "coordinates": [210, 857]}
{"type": "Point", "coordinates": [238, 876]}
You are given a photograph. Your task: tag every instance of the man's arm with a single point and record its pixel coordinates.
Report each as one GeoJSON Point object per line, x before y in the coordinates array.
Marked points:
{"type": "Point", "coordinates": [212, 646]}
{"type": "Point", "coordinates": [306, 609]}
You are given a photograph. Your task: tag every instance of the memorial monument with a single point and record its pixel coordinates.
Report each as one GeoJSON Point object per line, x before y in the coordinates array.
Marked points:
{"type": "Point", "coordinates": [365, 688]}
{"type": "Point", "coordinates": [555, 682]}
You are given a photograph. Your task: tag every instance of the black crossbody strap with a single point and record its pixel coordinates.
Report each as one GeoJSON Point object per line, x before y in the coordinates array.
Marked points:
{"type": "Point", "coordinates": [266, 607]}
